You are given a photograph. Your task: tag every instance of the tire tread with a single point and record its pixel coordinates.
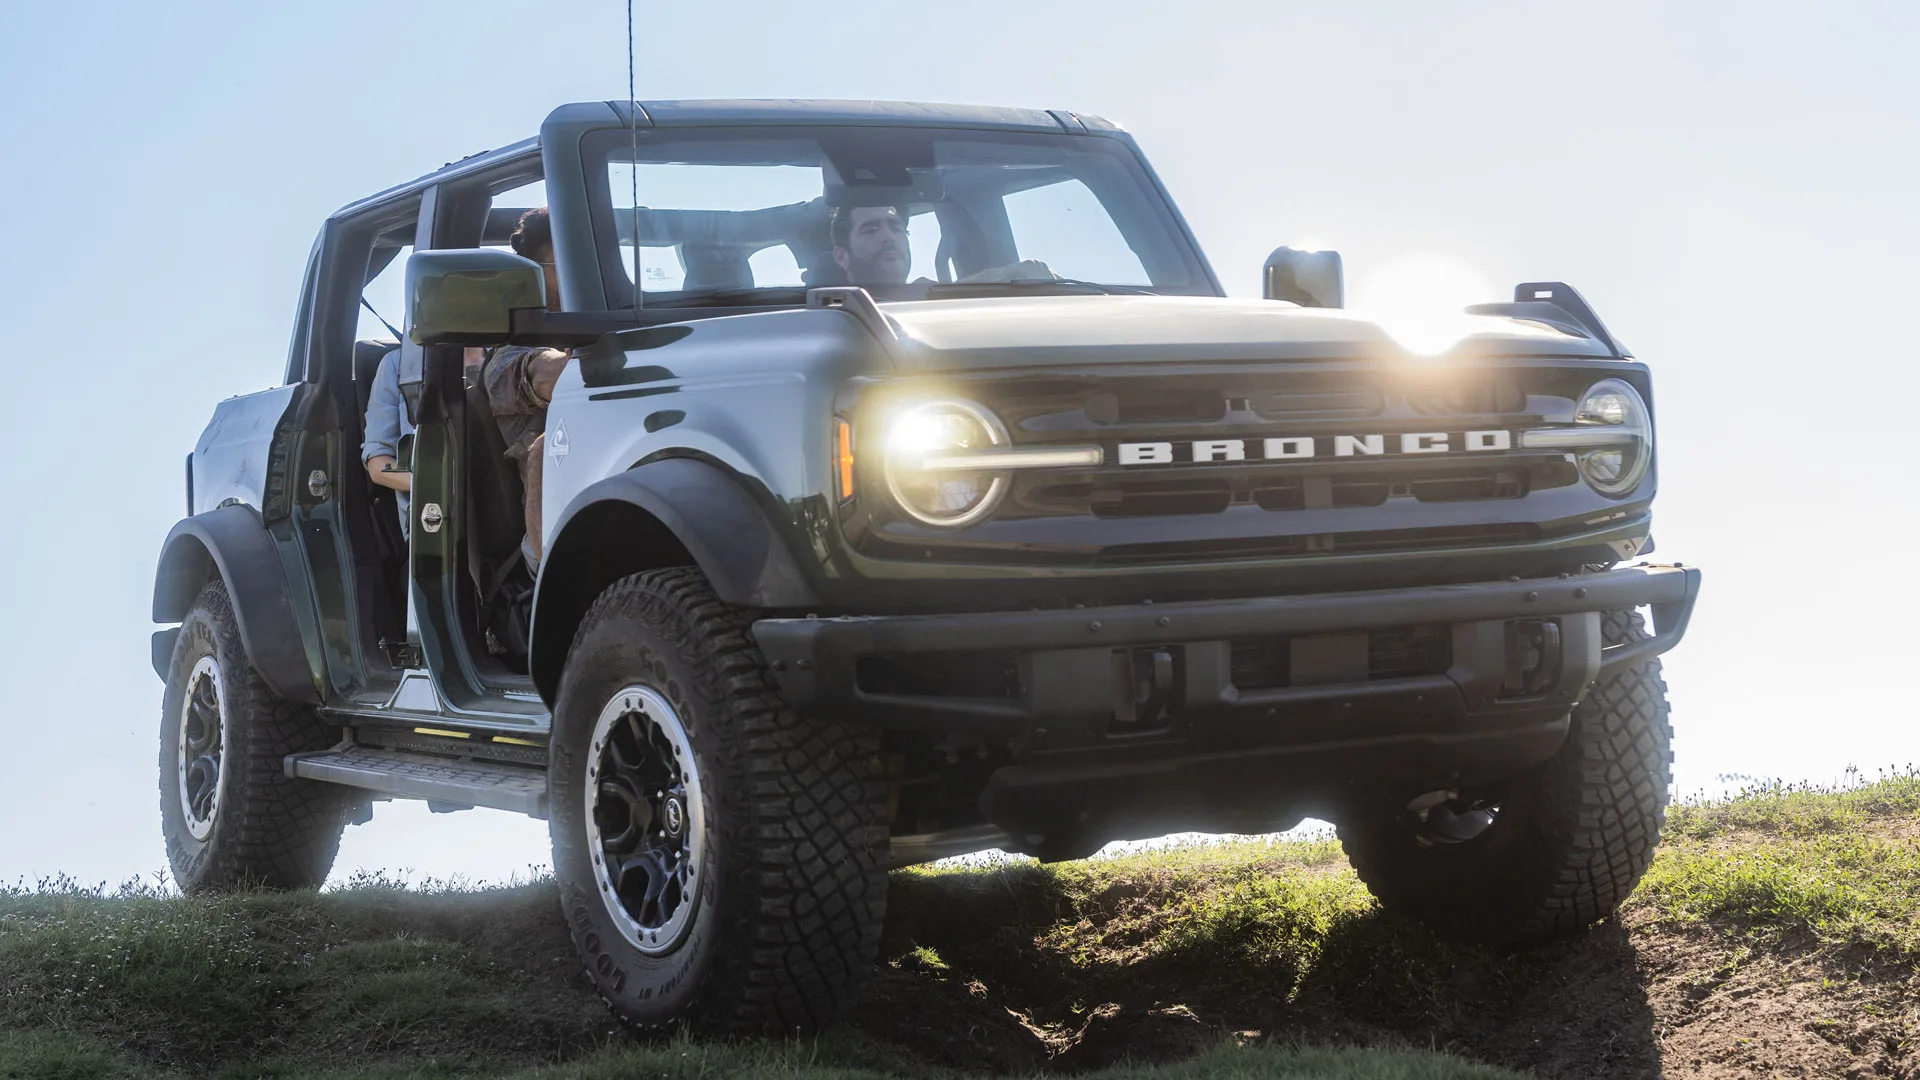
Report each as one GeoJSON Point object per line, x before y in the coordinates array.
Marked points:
{"type": "Point", "coordinates": [804, 823]}
{"type": "Point", "coordinates": [1600, 803]}
{"type": "Point", "coordinates": [274, 831]}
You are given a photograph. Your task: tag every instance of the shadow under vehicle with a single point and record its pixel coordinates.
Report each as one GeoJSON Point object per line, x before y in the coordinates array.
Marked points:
{"type": "Point", "coordinates": [1039, 542]}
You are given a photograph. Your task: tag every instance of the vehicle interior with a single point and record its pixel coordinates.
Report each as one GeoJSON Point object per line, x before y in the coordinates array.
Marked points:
{"type": "Point", "coordinates": [355, 299]}
{"type": "Point", "coordinates": [720, 214]}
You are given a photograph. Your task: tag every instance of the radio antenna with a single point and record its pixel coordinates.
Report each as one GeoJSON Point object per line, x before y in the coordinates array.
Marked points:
{"type": "Point", "coordinates": [633, 150]}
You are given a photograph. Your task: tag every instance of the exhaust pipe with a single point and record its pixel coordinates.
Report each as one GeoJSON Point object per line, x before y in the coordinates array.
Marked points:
{"type": "Point", "coordinates": [926, 847]}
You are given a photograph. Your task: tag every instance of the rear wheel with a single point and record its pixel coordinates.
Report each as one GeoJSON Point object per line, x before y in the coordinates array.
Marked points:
{"type": "Point", "coordinates": [1548, 852]}
{"type": "Point", "coordinates": [719, 858]}
{"type": "Point", "coordinates": [229, 813]}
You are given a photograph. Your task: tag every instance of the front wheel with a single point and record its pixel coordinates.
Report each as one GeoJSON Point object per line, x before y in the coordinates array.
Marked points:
{"type": "Point", "coordinates": [230, 814]}
{"type": "Point", "coordinates": [1548, 852]}
{"type": "Point", "coordinates": [719, 858]}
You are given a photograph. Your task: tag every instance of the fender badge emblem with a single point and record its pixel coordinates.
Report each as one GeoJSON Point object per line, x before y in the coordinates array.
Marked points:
{"type": "Point", "coordinates": [557, 445]}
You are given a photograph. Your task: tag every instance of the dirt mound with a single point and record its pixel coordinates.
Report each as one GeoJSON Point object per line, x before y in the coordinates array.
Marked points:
{"type": "Point", "coordinates": [1778, 934]}
{"type": "Point", "coordinates": [1636, 998]}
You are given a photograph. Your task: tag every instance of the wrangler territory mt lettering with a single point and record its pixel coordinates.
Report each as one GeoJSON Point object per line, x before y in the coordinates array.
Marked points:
{"type": "Point", "coordinates": [912, 489]}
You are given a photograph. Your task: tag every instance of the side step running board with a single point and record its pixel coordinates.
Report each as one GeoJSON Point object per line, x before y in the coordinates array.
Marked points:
{"type": "Point", "coordinates": [406, 775]}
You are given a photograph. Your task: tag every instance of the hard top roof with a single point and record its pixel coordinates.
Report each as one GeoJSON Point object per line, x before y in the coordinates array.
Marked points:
{"type": "Point", "coordinates": [777, 111]}
{"type": "Point", "coordinates": [770, 112]}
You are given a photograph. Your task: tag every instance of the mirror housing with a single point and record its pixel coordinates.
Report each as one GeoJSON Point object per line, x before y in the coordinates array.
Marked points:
{"type": "Point", "coordinates": [1308, 278]}
{"type": "Point", "coordinates": [466, 296]}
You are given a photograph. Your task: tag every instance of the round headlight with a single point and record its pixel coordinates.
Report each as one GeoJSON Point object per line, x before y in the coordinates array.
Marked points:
{"type": "Point", "coordinates": [922, 445]}
{"type": "Point", "coordinates": [1614, 466]}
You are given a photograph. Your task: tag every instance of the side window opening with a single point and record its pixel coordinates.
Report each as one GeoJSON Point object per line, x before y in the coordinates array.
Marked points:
{"type": "Point", "coordinates": [923, 230]}
{"type": "Point", "coordinates": [1066, 224]}
{"type": "Point", "coordinates": [710, 243]}
{"type": "Point", "coordinates": [385, 292]}
{"type": "Point", "coordinates": [505, 211]}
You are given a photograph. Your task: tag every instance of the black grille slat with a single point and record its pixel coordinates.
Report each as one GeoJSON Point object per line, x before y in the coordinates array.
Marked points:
{"type": "Point", "coordinates": [1150, 499]}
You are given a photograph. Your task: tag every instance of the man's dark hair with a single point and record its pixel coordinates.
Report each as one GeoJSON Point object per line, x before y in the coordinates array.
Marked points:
{"type": "Point", "coordinates": [533, 233]}
{"type": "Point", "coordinates": [840, 224]}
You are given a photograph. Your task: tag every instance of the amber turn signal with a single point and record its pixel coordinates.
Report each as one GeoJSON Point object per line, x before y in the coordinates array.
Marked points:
{"type": "Point", "coordinates": [845, 458]}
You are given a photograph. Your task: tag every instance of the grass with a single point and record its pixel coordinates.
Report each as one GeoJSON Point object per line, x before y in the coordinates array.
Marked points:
{"type": "Point", "coordinates": [391, 983]}
{"type": "Point", "coordinates": [1841, 865]}
{"type": "Point", "coordinates": [363, 972]}
{"type": "Point", "coordinates": [379, 981]}
{"type": "Point", "coordinates": [1800, 810]}
{"type": "Point", "coordinates": [42, 1056]}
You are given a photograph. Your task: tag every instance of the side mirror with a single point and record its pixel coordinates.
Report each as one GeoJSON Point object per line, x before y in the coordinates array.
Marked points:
{"type": "Point", "coordinates": [1308, 278]}
{"type": "Point", "coordinates": [466, 296]}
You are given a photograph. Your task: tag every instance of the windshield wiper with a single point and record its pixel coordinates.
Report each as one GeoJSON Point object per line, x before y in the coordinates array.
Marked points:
{"type": "Point", "coordinates": [1109, 290]}
{"type": "Point", "coordinates": [1063, 285]}
{"type": "Point", "coordinates": [773, 295]}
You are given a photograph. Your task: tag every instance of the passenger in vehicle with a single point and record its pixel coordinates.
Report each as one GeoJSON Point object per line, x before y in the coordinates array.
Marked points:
{"type": "Point", "coordinates": [870, 244]}
{"type": "Point", "coordinates": [519, 381]}
{"type": "Point", "coordinates": [387, 424]}
{"type": "Point", "coordinates": [871, 247]}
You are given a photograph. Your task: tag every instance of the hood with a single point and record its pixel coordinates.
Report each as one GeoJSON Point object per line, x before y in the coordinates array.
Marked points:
{"type": "Point", "coordinates": [1022, 331]}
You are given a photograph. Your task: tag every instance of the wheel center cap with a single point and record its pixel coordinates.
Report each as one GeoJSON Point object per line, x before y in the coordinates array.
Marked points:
{"type": "Point", "coordinates": [673, 816]}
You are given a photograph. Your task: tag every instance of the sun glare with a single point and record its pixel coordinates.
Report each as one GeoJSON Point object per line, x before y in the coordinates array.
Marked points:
{"type": "Point", "coordinates": [1417, 299]}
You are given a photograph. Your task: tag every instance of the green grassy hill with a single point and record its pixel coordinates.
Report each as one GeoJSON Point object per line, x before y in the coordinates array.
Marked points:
{"type": "Point", "coordinates": [1778, 932]}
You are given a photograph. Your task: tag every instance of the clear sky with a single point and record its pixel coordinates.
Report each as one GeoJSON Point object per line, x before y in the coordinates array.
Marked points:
{"type": "Point", "coordinates": [1734, 185]}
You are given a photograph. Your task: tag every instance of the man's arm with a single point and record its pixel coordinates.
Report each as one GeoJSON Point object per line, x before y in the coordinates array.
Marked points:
{"type": "Point", "coordinates": [380, 450]}
{"type": "Point", "coordinates": [520, 379]}
{"type": "Point", "coordinates": [380, 469]}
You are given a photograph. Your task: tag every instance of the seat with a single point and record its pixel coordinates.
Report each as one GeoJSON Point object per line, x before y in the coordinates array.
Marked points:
{"type": "Point", "coordinates": [390, 546]}
{"type": "Point", "coordinates": [367, 354]}
{"type": "Point", "coordinates": [495, 498]}
{"type": "Point", "coordinates": [824, 272]}
{"type": "Point", "coordinates": [496, 524]}
{"type": "Point", "coordinates": [715, 266]}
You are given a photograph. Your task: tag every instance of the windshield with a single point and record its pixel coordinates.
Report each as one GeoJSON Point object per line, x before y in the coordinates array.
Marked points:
{"type": "Point", "coordinates": [757, 216]}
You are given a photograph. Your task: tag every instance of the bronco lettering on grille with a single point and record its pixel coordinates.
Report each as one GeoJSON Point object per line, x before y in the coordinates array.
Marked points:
{"type": "Point", "coordinates": [1306, 447]}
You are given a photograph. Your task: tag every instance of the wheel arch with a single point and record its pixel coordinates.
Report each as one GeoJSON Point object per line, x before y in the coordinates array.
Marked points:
{"type": "Point", "coordinates": [670, 512]}
{"type": "Point", "coordinates": [230, 543]}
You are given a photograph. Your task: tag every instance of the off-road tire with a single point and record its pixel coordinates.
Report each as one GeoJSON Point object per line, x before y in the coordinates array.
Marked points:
{"type": "Point", "coordinates": [268, 830]}
{"type": "Point", "coordinates": [1573, 834]}
{"type": "Point", "coordinates": [792, 888]}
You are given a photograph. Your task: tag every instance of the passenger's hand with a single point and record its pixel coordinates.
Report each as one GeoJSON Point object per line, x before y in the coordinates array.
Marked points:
{"type": "Point", "coordinates": [1024, 270]}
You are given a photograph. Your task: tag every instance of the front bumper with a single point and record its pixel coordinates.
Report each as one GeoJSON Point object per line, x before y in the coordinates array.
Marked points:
{"type": "Point", "coordinates": [815, 660]}
{"type": "Point", "coordinates": [1072, 721]}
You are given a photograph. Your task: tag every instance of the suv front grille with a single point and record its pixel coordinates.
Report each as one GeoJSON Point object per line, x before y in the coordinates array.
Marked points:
{"type": "Point", "coordinates": [1200, 484]}
{"type": "Point", "coordinates": [1247, 406]}
{"type": "Point", "coordinates": [1147, 496]}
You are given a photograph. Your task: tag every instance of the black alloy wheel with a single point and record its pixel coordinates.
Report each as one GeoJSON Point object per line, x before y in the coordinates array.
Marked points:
{"type": "Point", "coordinates": [646, 819]}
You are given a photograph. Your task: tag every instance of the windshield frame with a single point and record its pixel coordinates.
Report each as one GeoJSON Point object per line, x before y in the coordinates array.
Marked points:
{"type": "Point", "coordinates": [607, 146]}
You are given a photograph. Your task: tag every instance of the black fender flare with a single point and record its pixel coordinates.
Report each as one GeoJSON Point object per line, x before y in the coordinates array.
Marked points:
{"type": "Point", "coordinates": [231, 543]}
{"type": "Point", "coordinates": [670, 512]}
